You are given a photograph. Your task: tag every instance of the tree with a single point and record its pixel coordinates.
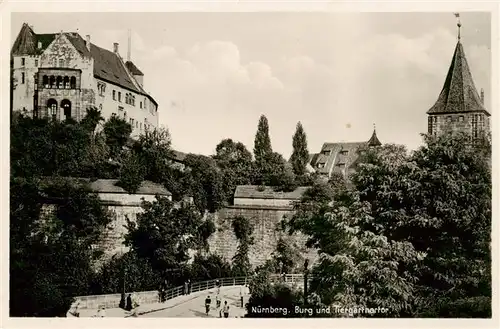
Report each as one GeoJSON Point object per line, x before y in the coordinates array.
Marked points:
{"type": "Point", "coordinates": [279, 174]}
{"type": "Point", "coordinates": [206, 183]}
{"type": "Point", "coordinates": [117, 133]}
{"type": "Point", "coordinates": [262, 146]}
{"type": "Point", "coordinates": [243, 231]}
{"type": "Point", "coordinates": [357, 268]}
{"type": "Point", "coordinates": [411, 233]}
{"type": "Point", "coordinates": [209, 267]}
{"type": "Point", "coordinates": [300, 154]}
{"type": "Point", "coordinates": [235, 163]}
{"type": "Point", "coordinates": [132, 172]}
{"type": "Point", "coordinates": [164, 233]}
{"type": "Point", "coordinates": [154, 148]}
{"type": "Point", "coordinates": [51, 256]}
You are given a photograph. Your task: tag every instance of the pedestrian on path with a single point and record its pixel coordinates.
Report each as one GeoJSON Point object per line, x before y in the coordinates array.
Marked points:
{"type": "Point", "coordinates": [241, 296]}
{"type": "Point", "coordinates": [208, 301]}
{"type": "Point", "coordinates": [186, 286]}
{"type": "Point", "coordinates": [189, 286]}
{"type": "Point", "coordinates": [217, 301]}
{"type": "Point", "coordinates": [226, 309]}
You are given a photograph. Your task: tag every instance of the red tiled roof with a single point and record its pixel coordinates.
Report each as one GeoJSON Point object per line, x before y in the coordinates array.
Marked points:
{"type": "Point", "coordinates": [459, 93]}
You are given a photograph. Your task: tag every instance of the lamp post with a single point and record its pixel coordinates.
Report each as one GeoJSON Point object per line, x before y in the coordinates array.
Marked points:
{"type": "Point", "coordinates": [123, 301]}
{"type": "Point", "coordinates": [306, 272]}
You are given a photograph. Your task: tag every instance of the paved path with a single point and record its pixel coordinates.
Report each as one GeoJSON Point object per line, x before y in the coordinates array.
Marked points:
{"type": "Point", "coordinates": [195, 307]}
{"type": "Point", "coordinates": [188, 306]}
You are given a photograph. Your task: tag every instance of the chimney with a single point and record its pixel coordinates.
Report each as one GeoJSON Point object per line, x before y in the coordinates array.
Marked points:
{"type": "Point", "coordinates": [87, 41]}
{"type": "Point", "coordinates": [115, 47]}
{"type": "Point", "coordinates": [482, 96]}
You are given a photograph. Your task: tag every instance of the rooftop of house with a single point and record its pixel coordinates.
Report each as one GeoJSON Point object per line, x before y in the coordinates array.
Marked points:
{"type": "Point", "coordinates": [459, 94]}
{"type": "Point", "coordinates": [258, 192]}
{"type": "Point", "coordinates": [334, 157]}
{"type": "Point", "coordinates": [109, 186]}
{"type": "Point", "coordinates": [108, 65]}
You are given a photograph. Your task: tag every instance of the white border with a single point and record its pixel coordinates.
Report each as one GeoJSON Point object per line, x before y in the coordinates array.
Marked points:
{"type": "Point", "coordinates": [238, 6]}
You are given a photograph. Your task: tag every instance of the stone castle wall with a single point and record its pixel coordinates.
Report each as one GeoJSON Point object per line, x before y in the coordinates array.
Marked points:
{"type": "Point", "coordinates": [265, 221]}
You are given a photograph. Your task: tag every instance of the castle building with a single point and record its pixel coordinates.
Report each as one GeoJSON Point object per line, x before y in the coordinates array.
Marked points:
{"type": "Point", "coordinates": [340, 157]}
{"type": "Point", "coordinates": [61, 75]}
{"type": "Point", "coordinates": [459, 107]}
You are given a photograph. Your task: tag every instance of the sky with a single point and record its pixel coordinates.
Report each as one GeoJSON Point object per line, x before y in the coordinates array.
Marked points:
{"type": "Point", "coordinates": [214, 74]}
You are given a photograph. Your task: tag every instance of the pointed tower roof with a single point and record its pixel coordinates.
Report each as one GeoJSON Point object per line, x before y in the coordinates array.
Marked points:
{"type": "Point", "coordinates": [25, 43]}
{"type": "Point", "coordinates": [459, 94]}
{"type": "Point", "coordinates": [374, 141]}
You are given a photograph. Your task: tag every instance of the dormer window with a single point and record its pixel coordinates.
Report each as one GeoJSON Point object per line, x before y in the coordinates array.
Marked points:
{"type": "Point", "coordinates": [39, 45]}
{"type": "Point", "coordinates": [344, 152]}
{"type": "Point", "coordinates": [327, 152]}
{"type": "Point", "coordinates": [321, 165]}
{"type": "Point", "coordinates": [341, 165]}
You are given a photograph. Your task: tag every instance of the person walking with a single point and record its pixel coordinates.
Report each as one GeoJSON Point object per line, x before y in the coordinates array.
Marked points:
{"type": "Point", "coordinates": [225, 309]}
{"type": "Point", "coordinates": [241, 296]}
{"type": "Point", "coordinates": [208, 301]}
{"type": "Point", "coordinates": [217, 301]}
{"type": "Point", "coordinates": [189, 286]}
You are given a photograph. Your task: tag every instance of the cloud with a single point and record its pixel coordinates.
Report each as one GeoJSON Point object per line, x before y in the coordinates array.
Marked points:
{"type": "Point", "coordinates": [207, 93]}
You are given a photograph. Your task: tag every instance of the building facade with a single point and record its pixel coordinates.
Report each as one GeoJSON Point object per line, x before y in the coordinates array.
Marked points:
{"type": "Point", "coordinates": [340, 157]}
{"type": "Point", "coordinates": [459, 107]}
{"type": "Point", "coordinates": [62, 75]}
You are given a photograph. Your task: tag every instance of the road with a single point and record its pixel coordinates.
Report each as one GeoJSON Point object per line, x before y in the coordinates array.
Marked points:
{"type": "Point", "coordinates": [195, 307]}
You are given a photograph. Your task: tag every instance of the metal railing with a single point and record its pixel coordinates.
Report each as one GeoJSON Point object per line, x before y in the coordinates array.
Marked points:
{"type": "Point", "coordinates": [151, 297]}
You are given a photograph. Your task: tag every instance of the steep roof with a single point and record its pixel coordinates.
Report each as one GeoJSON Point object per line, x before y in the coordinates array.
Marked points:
{"type": "Point", "coordinates": [459, 93]}
{"type": "Point", "coordinates": [133, 69]}
{"type": "Point", "coordinates": [255, 192]}
{"type": "Point", "coordinates": [108, 66]}
{"type": "Point", "coordinates": [374, 139]}
{"type": "Point", "coordinates": [26, 42]}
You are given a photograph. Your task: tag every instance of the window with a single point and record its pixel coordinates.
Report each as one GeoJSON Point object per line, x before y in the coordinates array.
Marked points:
{"type": "Point", "coordinates": [22, 77]}
{"type": "Point", "coordinates": [54, 61]}
{"type": "Point", "coordinates": [341, 165]}
{"type": "Point", "coordinates": [137, 124]}
{"type": "Point", "coordinates": [321, 165]}
{"type": "Point", "coordinates": [344, 152]}
{"type": "Point", "coordinates": [119, 96]}
{"type": "Point", "coordinates": [72, 82]}
{"type": "Point", "coordinates": [52, 81]}
{"type": "Point", "coordinates": [449, 119]}
{"type": "Point", "coordinates": [100, 107]}
{"type": "Point", "coordinates": [59, 82]}
{"type": "Point", "coordinates": [327, 152]}
{"type": "Point", "coordinates": [113, 115]}
{"type": "Point", "coordinates": [36, 62]}
{"type": "Point", "coordinates": [61, 63]}
{"type": "Point", "coordinates": [114, 95]}
{"type": "Point", "coordinates": [140, 105]}
{"type": "Point", "coordinates": [45, 81]}
{"type": "Point", "coordinates": [140, 125]}
{"type": "Point", "coordinates": [23, 61]}
{"type": "Point", "coordinates": [126, 98]}
{"type": "Point", "coordinates": [66, 83]}
{"type": "Point", "coordinates": [461, 118]}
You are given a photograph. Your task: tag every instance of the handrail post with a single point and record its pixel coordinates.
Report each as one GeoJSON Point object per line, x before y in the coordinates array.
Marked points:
{"type": "Point", "coordinates": [234, 281]}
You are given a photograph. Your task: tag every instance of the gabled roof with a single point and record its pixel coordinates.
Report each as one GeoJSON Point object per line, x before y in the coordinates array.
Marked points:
{"type": "Point", "coordinates": [108, 66]}
{"type": "Point", "coordinates": [133, 69]}
{"type": "Point", "coordinates": [255, 192]}
{"type": "Point", "coordinates": [459, 94]}
{"type": "Point", "coordinates": [26, 42]}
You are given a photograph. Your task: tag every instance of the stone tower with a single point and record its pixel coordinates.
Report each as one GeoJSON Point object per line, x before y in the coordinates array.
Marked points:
{"type": "Point", "coordinates": [459, 107]}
